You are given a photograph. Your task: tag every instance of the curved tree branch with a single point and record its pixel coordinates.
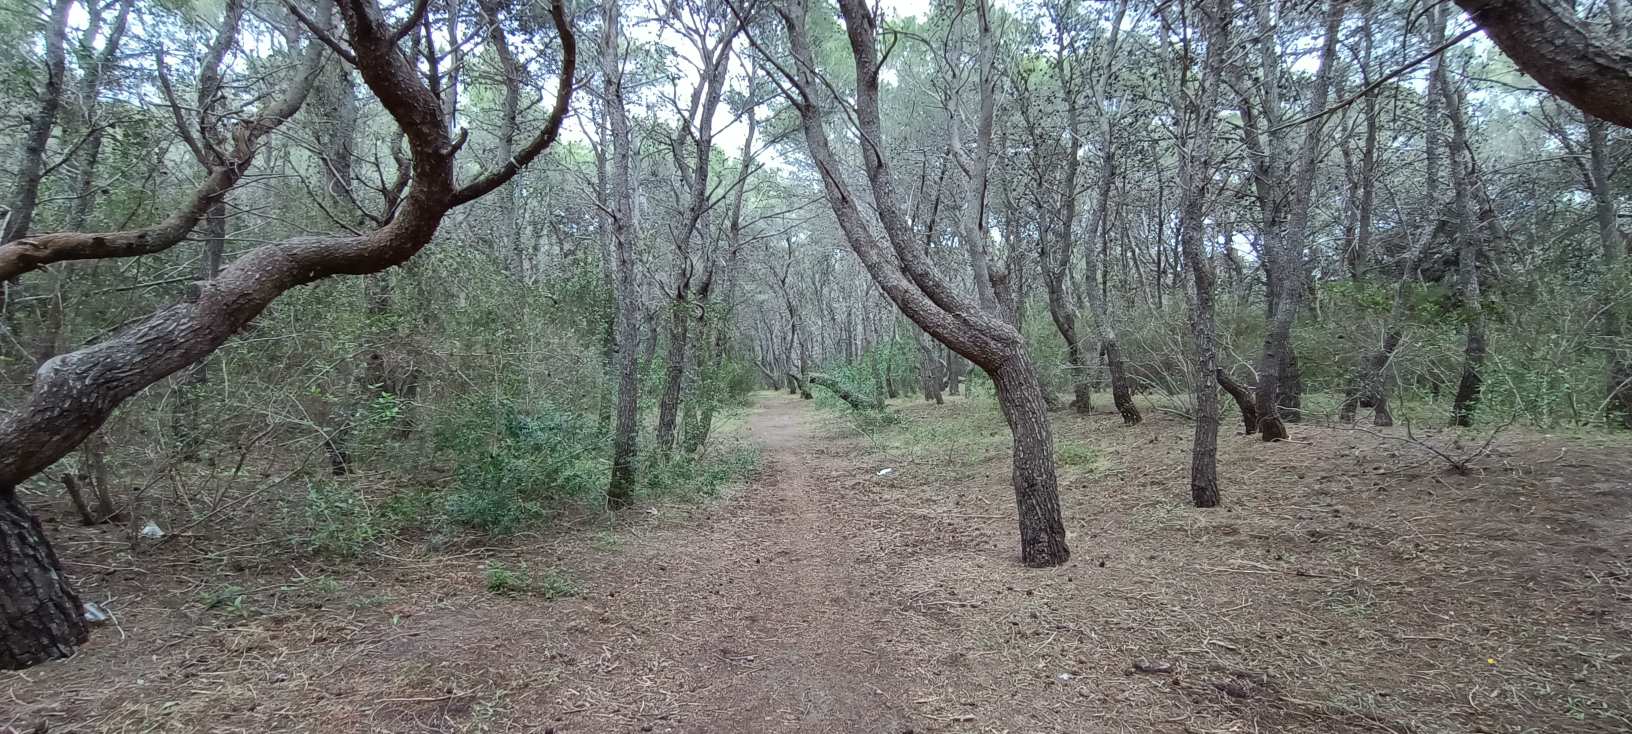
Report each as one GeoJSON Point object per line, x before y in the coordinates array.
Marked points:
{"type": "Point", "coordinates": [74, 393]}
{"type": "Point", "coordinates": [1559, 51]}
{"type": "Point", "coordinates": [31, 253]}
{"type": "Point", "coordinates": [552, 126]}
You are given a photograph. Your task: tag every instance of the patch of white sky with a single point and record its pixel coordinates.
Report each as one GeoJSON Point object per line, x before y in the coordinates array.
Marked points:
{"type": "Point", "coordinates": [685, 67]}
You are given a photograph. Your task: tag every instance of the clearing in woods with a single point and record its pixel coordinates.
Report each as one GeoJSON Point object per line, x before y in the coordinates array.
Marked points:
{"type": "Point", "coordinates": [1346, 587]}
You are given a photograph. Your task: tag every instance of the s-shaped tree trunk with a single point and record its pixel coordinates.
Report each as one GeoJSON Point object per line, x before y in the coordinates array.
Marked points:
{"type": "Point", "coordinates": [911, 281]}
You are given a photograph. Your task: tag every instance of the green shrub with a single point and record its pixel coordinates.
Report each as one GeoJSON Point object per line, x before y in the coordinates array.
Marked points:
{"type": "Point", "coordinates": [339, 521]}
{"type": "Point", "coordinates": [703, 476]}
{"type": "Point", "coordinates": [507, 581]}
{"type": "Point", "coordinates": [514, 468]}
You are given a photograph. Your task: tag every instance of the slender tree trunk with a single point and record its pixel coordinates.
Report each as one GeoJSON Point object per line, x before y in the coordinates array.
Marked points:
{"type": "Point", "coordinates": [911, 281]}
{"type": "Point", "coordinates": [25, 194]}
{"type": "Point", "coordinates": [90, 91]}
{"type": "Point", "coordinates": [620, 491]}
{"type": "Point", "coordinates": [1284, 240]}
{"type": "Point", "coordinates": [1470, 237]}
{"type": "Point", "coordinates": [1195, 173]}
{"type": "Point", "coordinates": [668, 403]}
{"type": "Point", "coordinates": [1098, 304]}
{"type": "Point", "coordinates": [188, 423]}
{"type": "Point", "coordinates": [1613, 285]}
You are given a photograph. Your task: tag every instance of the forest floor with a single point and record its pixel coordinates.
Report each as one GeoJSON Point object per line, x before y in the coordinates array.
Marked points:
{"type": "Point", "coordinates": [1350, 584]}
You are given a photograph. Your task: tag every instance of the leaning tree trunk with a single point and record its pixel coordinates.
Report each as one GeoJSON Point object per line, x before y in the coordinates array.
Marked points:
{"type": "Point", "coordinates": [856, 400]}
{"type": "Point", "coordinates": [74, 394]}
{"type": "Point", "coordinates": [910, 277]}
{"type": "Point", "coordinates": [40, 616]}
{"type": "Point", "coordinates": [1243, 402]}
{"type": "Point", "coordinates": [1036, 490]}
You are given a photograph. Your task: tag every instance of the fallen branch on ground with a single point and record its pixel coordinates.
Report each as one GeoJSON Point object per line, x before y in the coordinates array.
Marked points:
{"type": "Point", "coordinates": [855, 399]}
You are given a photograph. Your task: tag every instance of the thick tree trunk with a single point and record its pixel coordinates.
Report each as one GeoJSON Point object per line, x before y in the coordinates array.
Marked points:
{"type": "Point", "coordinates": [40, 616]}
{"type": "Point", "coordinates": [1554, 46]}
{"type": "Point", "coordinates": [1121, 386]}
{"type": "Point", "coordinates": [1290, 400]}
{"type": "Point", "coordinates": [1036, 494]}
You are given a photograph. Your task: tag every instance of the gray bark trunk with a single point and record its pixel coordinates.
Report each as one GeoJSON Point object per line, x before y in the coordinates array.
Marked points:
{"type": "Point", "coordinates": [620, 491]}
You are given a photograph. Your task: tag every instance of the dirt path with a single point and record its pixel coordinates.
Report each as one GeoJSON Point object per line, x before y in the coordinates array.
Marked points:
{"type": "Point", "coordinates": [1337, 593]}
{"type": "Point", "coordinates": [766, 612]}
{"type": "Point", "coordinates": [779, 619]}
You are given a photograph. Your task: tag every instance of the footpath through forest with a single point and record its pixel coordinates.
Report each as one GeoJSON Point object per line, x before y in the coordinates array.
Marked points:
{"type": "Point", "coordinates": [1347, 586]}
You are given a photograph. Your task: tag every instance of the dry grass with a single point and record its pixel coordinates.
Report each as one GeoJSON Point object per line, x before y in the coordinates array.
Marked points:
{"type": "Point", "coordinates": [1335, 592]}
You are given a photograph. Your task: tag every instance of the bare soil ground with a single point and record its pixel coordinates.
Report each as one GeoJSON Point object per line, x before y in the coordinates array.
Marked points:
{"type": "Point", "coordinates": [1348, 586]}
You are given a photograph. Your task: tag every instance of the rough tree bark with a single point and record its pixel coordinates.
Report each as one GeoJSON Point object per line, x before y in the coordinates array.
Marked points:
{"type": "Point", "coordinates": [856, 400]}
{"type": "Point", "coordinates": [911, 281]}
{"type": "Point", "coordinates": [1549, 42]}
{"type": "Point", "coordinates": [620, 206]}
{"type": "Point", "coordinates": [74, 393]}
{"type": "Point", "coordinates": [1195, 174]}
{"type": "Point", "coordinates": [25, 194]}
{"type": "Point", "coordinates": [1285, 190]}
{"type": "Point", "coordinates": [1470, 238]}
{"type": "Point", "coordinates": [1612, 288]}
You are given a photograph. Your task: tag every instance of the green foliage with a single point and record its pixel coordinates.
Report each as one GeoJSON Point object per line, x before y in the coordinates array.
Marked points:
{"type": "Point", "coordinates": [228, 599]}
{"type": "Point", "coordinates": [1075, 454]}
{"type": "Point", "coordinates": [697, 477]}
{"type": "Point", "coordinates": [519, 581]}
{"type": "Point", "coordinates": [339, 521]}
{"type": "Point", "coordinates": [513, 468]}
